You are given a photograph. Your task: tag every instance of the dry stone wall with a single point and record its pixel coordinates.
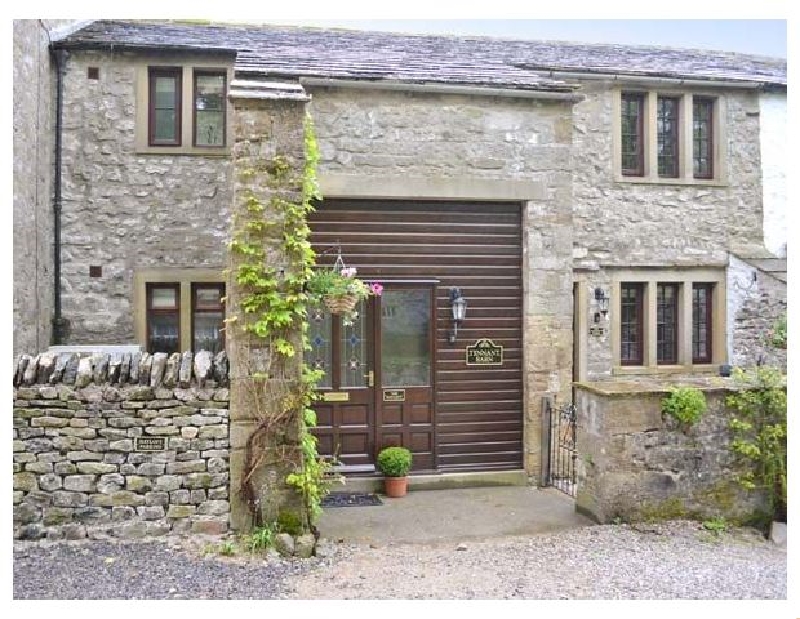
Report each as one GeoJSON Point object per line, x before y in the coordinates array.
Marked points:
{"type": "Point", "coordinates": [120, 445]}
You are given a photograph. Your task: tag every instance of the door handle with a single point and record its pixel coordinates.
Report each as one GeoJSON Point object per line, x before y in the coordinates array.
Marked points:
{"type": "Point", "coordinates": [370, 376]}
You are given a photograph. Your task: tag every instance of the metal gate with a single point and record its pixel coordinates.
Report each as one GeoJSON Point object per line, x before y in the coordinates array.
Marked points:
{"type": "Point", "coordinates": [560, 451]}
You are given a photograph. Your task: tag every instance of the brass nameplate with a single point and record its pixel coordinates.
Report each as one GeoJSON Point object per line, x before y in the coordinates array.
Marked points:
{"type": "Point", "coordinates": [336, 396]}
{"type": "Point", "coordinates": [394, 395]}
{"type": "Point", "coordinates": [484, 352]}
{"type": "Point", "coordinates": [151, 443]}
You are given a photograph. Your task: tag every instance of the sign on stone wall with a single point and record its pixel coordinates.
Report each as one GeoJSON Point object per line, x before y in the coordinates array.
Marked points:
{"type": "Point", "coordinates": [151, 443]}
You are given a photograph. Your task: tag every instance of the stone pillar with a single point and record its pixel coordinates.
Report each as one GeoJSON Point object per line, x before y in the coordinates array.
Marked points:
{"type": "Point", "coordinates": [547, 310]}
{"type": "Point", "coordinates": [266, 127]}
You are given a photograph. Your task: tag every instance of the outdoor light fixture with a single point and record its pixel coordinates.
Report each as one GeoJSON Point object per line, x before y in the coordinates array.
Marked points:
{"type": "Point", "coordinates": [602, 303]}
{"type": "Point", "coordinates": [459, 306]}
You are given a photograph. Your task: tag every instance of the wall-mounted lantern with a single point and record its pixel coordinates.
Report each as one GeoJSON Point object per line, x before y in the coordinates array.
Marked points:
{"type": "Point", "coordinates": [459, 306]}
{"type": "Point", "coordinates": [602, 304]}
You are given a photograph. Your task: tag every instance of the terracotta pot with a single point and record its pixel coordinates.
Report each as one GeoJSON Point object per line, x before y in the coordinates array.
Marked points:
{"type": "Point", "coordinates": [396, 486]}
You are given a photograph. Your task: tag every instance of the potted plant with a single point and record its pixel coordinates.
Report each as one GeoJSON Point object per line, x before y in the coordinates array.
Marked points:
{"type": "Point", "coordinates": [395, 463]}
{"type": "Point", "coordinates": [340, 290]}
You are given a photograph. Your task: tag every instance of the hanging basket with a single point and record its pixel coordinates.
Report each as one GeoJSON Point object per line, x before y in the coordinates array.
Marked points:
{"type": "Point", "coordinates": [340, 304]}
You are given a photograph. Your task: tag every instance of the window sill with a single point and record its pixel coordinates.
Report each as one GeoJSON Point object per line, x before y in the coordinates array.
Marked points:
{"type": "Point", "coordinates": [639, 370]}
{"type": "Point", "coordinates": [181, 151]}
{"type": "Point", "coordinates": [647, 180]}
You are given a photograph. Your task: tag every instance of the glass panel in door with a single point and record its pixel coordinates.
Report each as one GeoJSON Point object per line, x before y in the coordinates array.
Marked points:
{"type": "Point", "coordinates": [405, 337]}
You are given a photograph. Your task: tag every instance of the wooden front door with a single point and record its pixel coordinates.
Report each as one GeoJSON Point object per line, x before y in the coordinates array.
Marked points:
{"type": "Point", "coordinates": [378, 386]}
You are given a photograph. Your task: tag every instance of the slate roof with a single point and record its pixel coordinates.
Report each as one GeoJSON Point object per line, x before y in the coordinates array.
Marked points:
{"type": "Point", "coordinates": [480, 61]}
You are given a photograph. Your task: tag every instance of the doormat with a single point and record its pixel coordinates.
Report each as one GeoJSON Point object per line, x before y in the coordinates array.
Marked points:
{"type": "Point", "coordinates": [351, 499]}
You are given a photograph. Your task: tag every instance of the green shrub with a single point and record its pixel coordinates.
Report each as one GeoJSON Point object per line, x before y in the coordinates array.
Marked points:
{"type": "Point", "coordinates": [759, 434]}
{"type": "Point", "coordinates": [394, 461]}
{"type": "Point", "coordinates": [227, 548]}
{"type": "Point", "coordinates": [684, 404]}
{"type": "Point", "coordinates": [289, 522]}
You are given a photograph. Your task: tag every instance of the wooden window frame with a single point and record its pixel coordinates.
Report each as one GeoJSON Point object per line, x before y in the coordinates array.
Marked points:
{"type": "Point", "coordinates": [640, 100]}
{"type": "Point", "coordinates": [194, 310]}
{"type": "Point", "coordinates": [709, 317]}
{"type": "Point", "coordinates": [640, 319]}
{"type": "Point", "coordinates": [710, 103]}
{"type": "Point", "coordinates": [149, 311]}
{"type": "Point", "coordinates": [176, 73]}
{"type": "Point", "coordinates": [675, 340]}
{"type": "Point", "coordinates": [674, 138]}
{"type": "Point", "coordinates": [218, 72]}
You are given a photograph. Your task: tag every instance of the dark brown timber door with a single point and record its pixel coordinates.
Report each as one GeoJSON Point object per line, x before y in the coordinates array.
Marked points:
{"type": "Point", "coordinates": [390, 343]}
{"type": "Point", "coordinates": [346, 412]}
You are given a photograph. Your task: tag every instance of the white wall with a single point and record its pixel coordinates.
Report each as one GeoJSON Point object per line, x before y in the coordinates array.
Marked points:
{"type": "Point", "coordinates": [774, 155]}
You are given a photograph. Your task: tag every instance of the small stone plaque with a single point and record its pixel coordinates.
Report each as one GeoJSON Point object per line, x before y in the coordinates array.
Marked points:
{"type": "Point", "coordinates": [484, 352]}
{"type": "Point", "coordinates": [597, 331]}
{"type": "Point", "coordinates": [394, 395]}
{"type": "Point", "coordinates": [151, 443]}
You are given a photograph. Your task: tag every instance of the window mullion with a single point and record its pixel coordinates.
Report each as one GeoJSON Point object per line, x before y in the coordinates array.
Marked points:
{"type": "Point", "coordinates": [651, 135]}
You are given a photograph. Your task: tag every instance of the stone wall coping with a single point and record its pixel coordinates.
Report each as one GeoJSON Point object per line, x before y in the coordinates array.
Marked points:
{"type": "Point", "coordinates": [160, 369]}
{"type": "Point", "coordinates": [656, 386]}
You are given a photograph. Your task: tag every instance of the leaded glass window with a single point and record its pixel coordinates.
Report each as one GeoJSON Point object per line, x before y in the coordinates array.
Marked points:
{"type": "Point", "coordinates": [668, 131]}
{"type": "Point", "coordinates": [631, 323]}
{"type": "Point", "coordinates": [701, 323]}
{"type": "Point", "coordinates": [667, 323]}
{"type": "Point", "coordinates": [702, 137]}
{"type": "Point", "coordinates": [632, 138]}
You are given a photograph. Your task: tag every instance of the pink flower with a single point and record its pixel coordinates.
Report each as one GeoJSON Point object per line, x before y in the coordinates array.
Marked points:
{"type": "Point", "coordinates": [376, 289]}
{"type": "Point", "coordinates": [348, 271]}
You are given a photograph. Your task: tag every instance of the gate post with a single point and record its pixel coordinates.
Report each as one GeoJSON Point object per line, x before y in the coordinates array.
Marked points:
{"type": "Point", "coordinates": [547, 405]}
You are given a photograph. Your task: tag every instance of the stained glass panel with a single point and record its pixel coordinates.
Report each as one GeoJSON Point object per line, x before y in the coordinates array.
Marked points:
{"type": "Point", "coordinates": [352, 347]}
{"type": "Point", "coordinates": [319, 338]}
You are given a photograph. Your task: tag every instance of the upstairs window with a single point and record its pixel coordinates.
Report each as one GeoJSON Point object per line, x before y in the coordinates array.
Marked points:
{"type": "Point", "coordinates": [703, 137]}
{"type": "Point", "coordinates": [668, 132]}
{"type": "Point", "coordinates": [164, 108]}
{"type": "Point", "coordinates": [209, 108]}
{"type": "Point", "coordinates": [632, 134]}
{"type": "Point", "coordinates": [669, 138]}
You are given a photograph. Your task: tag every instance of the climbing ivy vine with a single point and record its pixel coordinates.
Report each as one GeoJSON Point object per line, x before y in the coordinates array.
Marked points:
{"type": "Point", "coordinates": [274, 303]}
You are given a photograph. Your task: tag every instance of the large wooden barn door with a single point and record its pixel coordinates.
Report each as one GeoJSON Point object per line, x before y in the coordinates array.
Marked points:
{"type": "Point", "coordinates": [468, 417]}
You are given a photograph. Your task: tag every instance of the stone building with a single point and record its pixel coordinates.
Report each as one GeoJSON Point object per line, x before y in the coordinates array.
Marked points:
{"type": "Point", "coordinates": [603, 209]}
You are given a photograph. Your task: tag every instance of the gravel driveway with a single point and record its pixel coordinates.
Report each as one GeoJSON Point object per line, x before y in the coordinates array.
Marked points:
{"type": "Point", "coordinates": [666, 561]}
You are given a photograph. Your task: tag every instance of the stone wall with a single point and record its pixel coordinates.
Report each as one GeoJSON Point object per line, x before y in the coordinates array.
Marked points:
{"type": "Point", "coordinates": [634, 463]}
{"type": "Point", "coordinates": [132, 453]}
{"type": "Point", "coordinates": [126, 210]}
{"type": "Point", "coordinates": [401, 137]}
{"type": "Point", "coordinates": [756, 300]}
{"type": "Point", "coordinates": [34, 117]}
{"type": "Point", "coordinates": [264, 128]}
{"type": "Point", "coordinates": [664, 224]}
